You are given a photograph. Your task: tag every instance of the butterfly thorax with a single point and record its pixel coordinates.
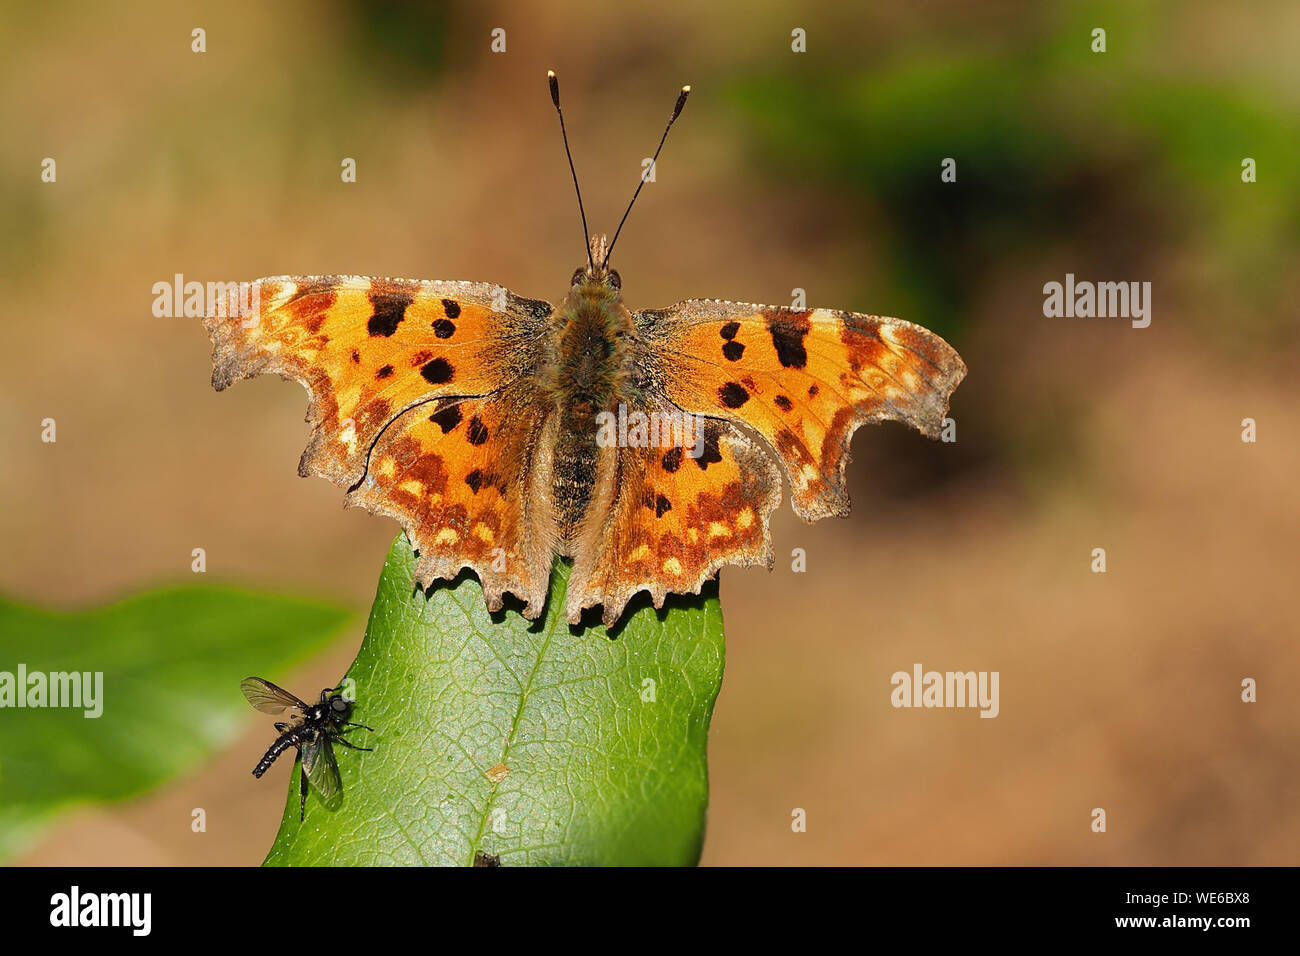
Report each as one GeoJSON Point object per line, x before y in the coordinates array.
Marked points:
{"type": "Point", "coordinates": [590, 364]}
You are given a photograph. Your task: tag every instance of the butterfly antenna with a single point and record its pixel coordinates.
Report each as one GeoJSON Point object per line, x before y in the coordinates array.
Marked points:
{"type": "Point", "coordinates": [677, 111]}
{"type": "Point", "coordinates": [555, 98]}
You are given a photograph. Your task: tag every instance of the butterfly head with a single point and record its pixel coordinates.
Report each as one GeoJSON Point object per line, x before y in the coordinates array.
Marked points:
{"type": "Point", "coordinates": [595, 273]}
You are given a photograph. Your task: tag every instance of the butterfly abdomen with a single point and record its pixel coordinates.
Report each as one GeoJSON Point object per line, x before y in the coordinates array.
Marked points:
{"type": "Point", "coordinates": [591, 366]}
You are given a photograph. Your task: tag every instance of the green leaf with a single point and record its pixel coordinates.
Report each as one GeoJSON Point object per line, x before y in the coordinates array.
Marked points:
{"type": "Point", "coordinates": [171, 662]}
{"type": "Point", "coordinates": [598, 772]}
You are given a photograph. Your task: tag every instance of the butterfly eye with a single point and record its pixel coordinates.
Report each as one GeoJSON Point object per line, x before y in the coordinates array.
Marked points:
{"type": "Point", "coordinates": [578, 273]}
{"type": "Point", "coordinates": [614, 279]}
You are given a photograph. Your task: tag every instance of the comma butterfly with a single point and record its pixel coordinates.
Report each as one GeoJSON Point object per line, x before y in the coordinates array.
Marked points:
{"type": "Point", "coordinates": [481, 420]}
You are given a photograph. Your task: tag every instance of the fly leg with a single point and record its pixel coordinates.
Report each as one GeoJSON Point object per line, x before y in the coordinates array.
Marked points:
{"type": "Point", "coordinates": [344, 741]}
{"type": "Point", "coordinates": [348, 723]}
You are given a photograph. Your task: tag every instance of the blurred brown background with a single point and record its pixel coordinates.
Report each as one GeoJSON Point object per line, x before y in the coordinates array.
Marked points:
{"type": "Point", "coordinates": [817, 170]}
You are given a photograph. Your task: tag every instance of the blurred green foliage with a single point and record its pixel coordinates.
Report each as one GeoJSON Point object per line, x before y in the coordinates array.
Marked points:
{"type": "Point", "coordinates": [403, 38]}
{"type": "Point", "coordinates": [171, 662]}
{"type": "Point", "coordinates": [1105, 154]}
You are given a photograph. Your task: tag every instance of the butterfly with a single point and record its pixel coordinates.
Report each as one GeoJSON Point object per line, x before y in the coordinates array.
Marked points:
{"type": "Point", "coordinates": [647, 446]}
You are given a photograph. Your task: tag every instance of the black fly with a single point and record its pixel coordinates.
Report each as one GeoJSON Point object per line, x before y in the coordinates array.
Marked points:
{"type": "Point", "coordinates": [311, 730]}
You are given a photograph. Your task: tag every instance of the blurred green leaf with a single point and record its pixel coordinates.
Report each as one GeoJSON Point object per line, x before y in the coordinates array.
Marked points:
{"type": "Point", "coordinates": [403, 41]}
{"type": "Point", "coordinates": [1106, 157]}
{"type": "Point", "coordinates": [597, 773]}
{"type": "Point", "coordinates": [171, 662]}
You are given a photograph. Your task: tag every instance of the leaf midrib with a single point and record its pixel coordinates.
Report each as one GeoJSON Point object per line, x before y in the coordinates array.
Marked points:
{"type": "Point", "coordinates": [510, 737]}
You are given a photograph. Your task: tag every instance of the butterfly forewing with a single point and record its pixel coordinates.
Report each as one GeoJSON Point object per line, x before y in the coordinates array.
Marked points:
{"type": "Point", "coordinates": [367, 349]}
{"type": "Point", "coordinates": [267, 697]}
{"type": "Point", "coordinates": [803, 380]}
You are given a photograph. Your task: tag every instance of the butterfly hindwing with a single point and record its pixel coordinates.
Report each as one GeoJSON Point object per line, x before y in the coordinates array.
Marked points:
{"type": "Point", "coordinates": [463, 477]}
{"type": "Point", "coordinates": [667, 518]}
{"type": "Point", "coordinates": [804, 380]}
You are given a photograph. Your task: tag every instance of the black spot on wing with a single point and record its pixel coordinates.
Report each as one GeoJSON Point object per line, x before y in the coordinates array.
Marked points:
{"type": "Point", "coordinates": [384, 372]}
{"type": "Point", "coordinates": [672, 460]}
{"type": "Point", "coordinates": [733, 395]}
{"type": "Point", "coordinates": [783, 403]}
{"type": "Point", "coordinates": [446, 418]}
{"type": "Point", "coordinates": [388, 310]}
{"type": "Point", "coordinates": [662, 504]}
{"type": "Point", "coordinates": [475, 480]}
{"type": "Point", "coordinates": [729, 330]}
{"type": "Point", "coordinates": [444, 328]}
{"type": "Point", "coordinates": [709, 452]}
{"type": "Point", "coordinates": [478, 432]}
{"type": "Point", "coordinates": [788, 331]}
{"type": "Point", "coordinates": [438, 372]}
{"type": "Point", "coordinates": [451, 307]}
{"type": "Point", "coordinates": [733, 351]}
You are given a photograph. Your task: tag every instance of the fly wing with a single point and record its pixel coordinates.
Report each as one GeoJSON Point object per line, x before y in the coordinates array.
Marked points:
{"type": "Point", "coordinates": [321, 766]}
{"type": "Point", "coordinates": [268, 698]}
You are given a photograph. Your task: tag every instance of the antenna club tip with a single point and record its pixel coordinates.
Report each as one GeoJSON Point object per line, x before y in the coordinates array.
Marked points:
{"type": "Point", "coordinates": [550, 74]}
{"type": "Point", "coordinates": [555, 87]}
{"type": "Point", "coordinates": [681, 101]}
{"type": "Point", "coordinates": [686, 88]}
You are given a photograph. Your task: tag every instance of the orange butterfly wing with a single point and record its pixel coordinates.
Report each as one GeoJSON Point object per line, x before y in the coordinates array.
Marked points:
{"type": "Point", "coordinates": [368, 349]}
{"type": "Point", "coordinates": [458, 475]}
{"type": "Point", "coordinates": [426, 404]}
{"type": "Point", "coordinates": [666, 518]}
{"type": "Point", "coordinates": [422, 405]}
{"type": "Point", "coordinates": [804, 380]}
